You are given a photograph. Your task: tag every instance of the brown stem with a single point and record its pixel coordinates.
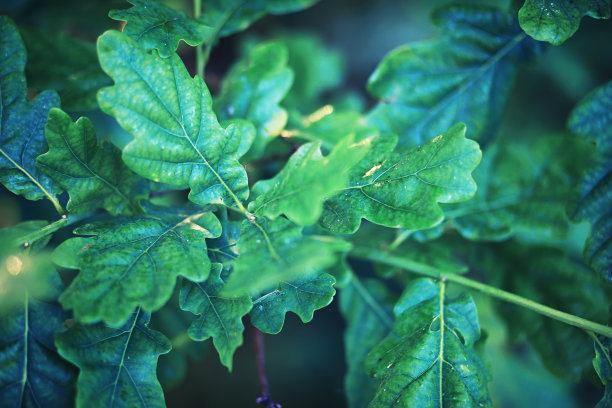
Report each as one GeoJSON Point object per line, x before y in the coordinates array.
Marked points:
{"type": "Point", "coordinates": [265, 399]}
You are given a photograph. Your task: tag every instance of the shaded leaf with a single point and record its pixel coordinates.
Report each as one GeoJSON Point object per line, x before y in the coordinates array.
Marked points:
{"type": "Point", "coordinates": [403, 190]}
{"type": "Point", "coordinates": [274, 251]}
{"type": "Point", "coordinates": [220, 317]}
{"type": "Point", "coordinates": [429, 355]}
{"type": "Point", "coordinates": [465, 75]}
{"type": "Point", "coordinates": [603, 366]}
{"type": "Point", "coordinates": [32, 371]}
{"type": "Point", "coordinates": [302, 296]}
{"type": "Point", "coordinates": [592, 119]}
{"type": "Point", "coordinates": [253, 89]}
{"type": "Point", "coordinates": [555, 21]}
{"type": "Point", "coordinates": [157, 26]}
{"type": "Point", "coordinates": [117, 364]}
{"type": "Point", "coordinates": [65, 64]}
{"type": "Point", "coordinates": [21, 122]}
{"type": "Point", "coordinates": [307, 180]}
{"type": "Point", "coordinates": [93, 176]}
{"type": "Point", "coordinates": [367, 309]}
{"type": "Point", "coordinates": [177, 139]}
{"type": "Point", "coordinates": [134, 261]}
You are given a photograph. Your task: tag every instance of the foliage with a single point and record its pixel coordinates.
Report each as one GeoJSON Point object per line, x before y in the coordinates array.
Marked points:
{"type": "Point", "coordinates": [242, 185]}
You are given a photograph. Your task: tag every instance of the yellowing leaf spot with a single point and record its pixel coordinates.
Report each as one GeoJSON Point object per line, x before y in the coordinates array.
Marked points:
{"type": "Point", "coordinates": [318, 115]}
{"type": "Point", "coordinates": [14, 265]}
{"type": "Point", "coordinates": [372, 170]}
{"type": "Point", "coordinates": [437, 138]}
{"type": "Point", "coordinates": [464, 368]}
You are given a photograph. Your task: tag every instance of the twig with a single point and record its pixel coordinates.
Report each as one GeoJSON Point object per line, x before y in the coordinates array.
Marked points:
{"type": "Point", "coordinates": [265, 399]}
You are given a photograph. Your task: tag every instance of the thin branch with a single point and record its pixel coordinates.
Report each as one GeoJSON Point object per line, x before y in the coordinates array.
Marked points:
{"type": "Point", "coordinates": [265, 399]}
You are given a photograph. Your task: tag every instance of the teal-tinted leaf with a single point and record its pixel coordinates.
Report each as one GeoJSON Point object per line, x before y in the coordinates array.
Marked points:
{"type": "Point", "coordinates": [307, 180]}
{"type": "Point", "coordinates": [465, 75]}
{"type": "Point", "coordinates": [528, 202]}
{"type": "Point", "coordinates": [68, 253]}
{"type": "Point", "coordinates": [429, 356]}
{"type": "Point", "coordinates": [177, 139]}
{"type": "Point", "coordinates": [134, 261]}
{"type": "Point", "coordinates": [592, 119]}
{"type": "Point", "coordinates": [403, 190]}
{"type": "Point", "coordinates": [230, 16]}
{"type": "Point", "coordinates": [220, 317]}
{"type": "Point", "coordinates": [603, 366]}
{"type": "Point", "coordinates": [367, 309]}
{"type": "Point", "coordinates": [32, 372]}
{"type": "Point", "coordinates": [555, 21]}
{"type": "Point", "coordinates": [22, 123]}
{"type": "Point", "coordinates": [242, 129]}
{"type": "Point", "coordinates": [117, 364]}
{"type": "Point", "coordinates": [65, 64]}
{"type": "Point", "coordinates": [157, 26]}
{"type": "Point", "coordinates": [253, 89]}
{"type": "Point", "coordinates": [302, 296]}
{"type": "Point", "coordinates": [93, 176]}
{"type": "Point", "coordinates": [274, 251]}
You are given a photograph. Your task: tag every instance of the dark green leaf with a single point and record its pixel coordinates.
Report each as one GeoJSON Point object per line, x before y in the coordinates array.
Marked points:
{"type": "Point", "coordinates": [302, 296]}
{"type": "Point", "coordinates": [134, 261]}
{"type": "Point", "coordinates": [592, 119]}
{"type": "Point", "coordinates": [93, 176]}
{"type": "Point", "coordinates": [555, 21]}
{"type": "Point", "coordinates": [367, 309]}
{"type": "Point", "coordinates": [157, 26]}
{"type": "Point", "coordinates": [429, 356]}
{"type": "Point", "coordinates": [177, 139]}
{"type": "Point", "coordinates": [22, 123]}
{"type": "Point", "coordinates": [66, 64]}
{"type": "Point", "coordinates": [32, 372]}
{"type": "Point", "coordinates": [307, 180]}
{"type": "Point", "coordinates": [117, 364]}
{"type": "Point", "coordinates": [253, 89]}
{"type": "Point", "coordinates": [603, 365]}
{"type": "Point", "coordinates": [274, 251]}
{"type": "Point", "coordinates": [465, 75]}
{"type": "Point", "coordinates": [220, 317]}
{"type": "Point", "coordinates": [403, 190]}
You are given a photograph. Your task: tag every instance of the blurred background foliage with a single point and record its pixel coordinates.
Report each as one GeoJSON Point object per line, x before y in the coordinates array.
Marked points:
{"type": "Point", "coordinates": [347, 39]}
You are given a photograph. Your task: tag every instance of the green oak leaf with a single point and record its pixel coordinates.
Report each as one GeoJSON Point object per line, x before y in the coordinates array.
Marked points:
{"type": "Point", "coordinates": [117, 364]}
{"type": "Point", "coordinates": [134, 261]}
{"type": "Point", "coordinates": [230, 16]}
{"type": "Point", "coordinates": [307, 180]}
{"type": "Point", "coordinates": [177, 139]}
{"type": "Point", "coordinates": [465, 75]}
{"type": "Point", "coordinates": [429, 355]}
{"type": "Point", "coordinates": [555, 21]}
{"type": "Point", "coordinates": [591, 119]}
{"type": "Point", "coordinates": [274, 251]}
{"type": "Point", "coordinates": [32, 370]}
{"type": "Point", "coordinates": [302, 296]}
{"type": "Point", "coordinates": [22, 122]}
{"type": "Point", "coordinates": [529, 202]}
{"type": "Point", "coordinates": [157, 26]}
{"type": "Point", "coordinates": [220, 317]}
{"type": "Point", "coordinates": [93, 176]}
{"type": "Point", "coordinates": [253, 89]}
{"type": "Point", "coordinates": [65, 64]}
{"type": "Point", "coordinates": [603, 366]}
{"type": "Point", "coordinates": [403, 190]}
{"type": "Point", "coordinates": [367, 308]}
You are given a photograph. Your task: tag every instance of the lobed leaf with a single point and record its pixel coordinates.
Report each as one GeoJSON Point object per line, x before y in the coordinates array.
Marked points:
{"type": "Point", "coordinates": [134, 261]}
{"type": "Point", "coordinates": [302, 296]}
{"type": "Point", "coordinates": [21, 122]}
{"type": "Point", "coordinates": [592, 119]}
{"type": "Point", "coordinates": [156, 26]}
{"type": "Point", "coordinates": [93, 176]}
{"type": "Point", "coordinates": [555, 21]}
{"type": "Point", "coordinates": [117, 365]}
{"type": "Point", "coordinates": [429, 355]}
{"type": "Point", "coordinates": [465, 75]}
{"type": "Point", "coordinates": [253, 89]}
{"type": "Point", "coordinates": [307, 180]}
{"type": "Point", "coordinates": [220, 317]}
{"type": "Point", "coordinates": [177, 139]}
{"type": "Point", "coordinates": [403, 190]}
